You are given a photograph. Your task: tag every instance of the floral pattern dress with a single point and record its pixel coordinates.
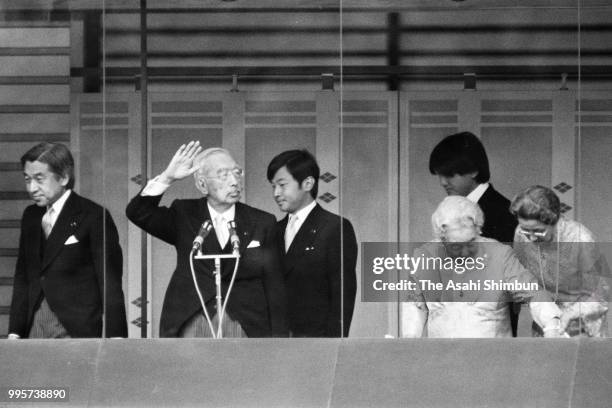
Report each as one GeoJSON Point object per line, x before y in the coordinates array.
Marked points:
{"type": "Point", "coordinates": [573, 269]}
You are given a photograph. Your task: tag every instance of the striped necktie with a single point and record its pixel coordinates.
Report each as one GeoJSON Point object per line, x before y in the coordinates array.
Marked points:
{"type": "Point", "coordinates": [290, 231]}
{"type": "Point", "coordinates": [47, 222]}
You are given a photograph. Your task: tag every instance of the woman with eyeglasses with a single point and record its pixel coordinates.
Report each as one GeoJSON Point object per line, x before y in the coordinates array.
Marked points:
{"type": "Point", "coordinates": [566, 259]}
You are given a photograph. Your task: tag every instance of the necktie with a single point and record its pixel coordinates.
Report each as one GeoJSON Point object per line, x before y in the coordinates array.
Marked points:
{"type": "Point", "coordinates": [290, 231]}
{"type": "Point", "coordinates": [47, 222]}
{"type": "Point", "coordinates": [221, 230]}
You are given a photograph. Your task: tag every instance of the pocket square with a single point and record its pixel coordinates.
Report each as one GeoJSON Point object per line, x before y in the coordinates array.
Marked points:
{"type": "Point", "coordinates": [71, 240]}
{"type": "Point", "coordinates": [254, 244]}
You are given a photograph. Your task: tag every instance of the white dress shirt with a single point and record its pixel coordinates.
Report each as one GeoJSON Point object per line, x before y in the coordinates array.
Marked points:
{"type": "Point", "coordinates": [293, 226]}
{"type": "Point", "coordinates": [477, 193]}
{"type": "Point", "coordinates": [222, 230]}
{"type": "Point", "coordinates": [57, 207]}
{"type": "Point", "coordinates": [154, 187]}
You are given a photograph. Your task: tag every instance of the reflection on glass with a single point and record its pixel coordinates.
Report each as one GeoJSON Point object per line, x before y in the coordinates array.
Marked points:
{"type": "Point", "coordinates": [267, 81]}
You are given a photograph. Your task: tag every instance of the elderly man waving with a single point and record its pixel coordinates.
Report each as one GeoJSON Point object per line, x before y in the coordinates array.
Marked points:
{"type": "Point", "coordinates": [256, 305]}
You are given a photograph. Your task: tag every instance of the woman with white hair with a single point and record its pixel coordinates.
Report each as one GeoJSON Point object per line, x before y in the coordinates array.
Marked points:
{"type": "Point", "coordinates": [566, 260]}
{"type": "Point", "coordinates": [466, 281]}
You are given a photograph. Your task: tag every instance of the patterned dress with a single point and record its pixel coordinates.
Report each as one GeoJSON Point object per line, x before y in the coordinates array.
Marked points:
{"type": "Point", "coordinates": [476, 312]}
{"type": "Point", "coordinates": [573, 269]}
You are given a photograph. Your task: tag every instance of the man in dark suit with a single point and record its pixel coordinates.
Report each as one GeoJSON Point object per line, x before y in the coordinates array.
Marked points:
{"type": "Point", "coordinates": [69, 267]}
{"type": "Point", "coordinates": [256, 303]}
{"type": "Point", "coordinates": [319, 250]}
{"type": "Point", "coordinates": [460, 161]}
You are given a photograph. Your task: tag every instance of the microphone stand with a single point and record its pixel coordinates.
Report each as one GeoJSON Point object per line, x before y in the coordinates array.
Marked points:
{"type": "Point", "coordinates": [217, 258]}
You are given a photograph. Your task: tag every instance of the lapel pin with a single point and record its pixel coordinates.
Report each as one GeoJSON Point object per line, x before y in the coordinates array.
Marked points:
{"type": "Point", "coordinates": [73, 224]}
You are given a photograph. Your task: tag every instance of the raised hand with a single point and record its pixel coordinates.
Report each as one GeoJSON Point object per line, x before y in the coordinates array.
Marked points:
{"type": "Point", "coordinates": [182, 164]}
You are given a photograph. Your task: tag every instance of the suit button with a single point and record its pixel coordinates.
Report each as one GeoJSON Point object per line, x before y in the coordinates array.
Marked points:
{"type": "Point", "coordinates": [42, 278]}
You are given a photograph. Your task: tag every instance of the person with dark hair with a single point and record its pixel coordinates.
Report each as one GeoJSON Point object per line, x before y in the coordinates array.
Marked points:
{"type": "Point", "coordinates": [256, 305]}
{"type": "Point", "coordinates": [564, 256]}
{"type": "Point", "coordinates": [319, 250]}
{"type": "Point", "coordinates": [69, 267]}
{"type": "Point", "coordinates": [461, 163]}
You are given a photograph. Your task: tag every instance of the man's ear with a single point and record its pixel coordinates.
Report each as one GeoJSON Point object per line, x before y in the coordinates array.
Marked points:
{"type": "Point", "coordinates": [200, 184]}
{"type": "Point", "coordinates": [63, 180]}
{"type": "Point", "coordinates": [308, 183]}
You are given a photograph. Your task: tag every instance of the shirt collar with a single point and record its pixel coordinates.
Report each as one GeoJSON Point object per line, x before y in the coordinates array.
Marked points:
{"type": "Point", "coordinates": [229, 214]}
{"type": "Point", "coordinates": [302, 214]}
{"type": "Point", "coordinates": [59, 203]}
{"type": "Point", "coordinates": [478, 192]}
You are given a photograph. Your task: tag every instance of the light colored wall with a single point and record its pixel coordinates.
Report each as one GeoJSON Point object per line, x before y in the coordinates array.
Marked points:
{"type": "Point", "coordinates": [382, 132]}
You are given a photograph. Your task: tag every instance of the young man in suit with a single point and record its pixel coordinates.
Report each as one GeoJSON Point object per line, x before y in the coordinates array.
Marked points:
{"type": "Point", "coordinates": [69, 266]}
{"type": "Point", "coordinates": [256, 305]}
{"type": "Point", "coordinates": [319, 250]}
{"type": "Point", "coordinates": [460, 162]}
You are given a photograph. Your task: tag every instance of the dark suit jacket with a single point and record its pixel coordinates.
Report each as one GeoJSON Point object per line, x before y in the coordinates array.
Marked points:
{"type": "Point", "coordinates": [314, 275]}
{"type": "Point", "coordinates": [73, 278]}
{"type": "Point", "coordinates": [499, 222]}
{"type": "Point", "coordinates": [257, 300]}
{"type": "Point", "coordinates": [500, 225]}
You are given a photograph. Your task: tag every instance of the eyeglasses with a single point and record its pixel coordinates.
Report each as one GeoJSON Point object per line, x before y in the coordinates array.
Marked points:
{"type": "Point", "coordinates": [223, 174]}
{"type": "Point", "coordinates": [537, 234]}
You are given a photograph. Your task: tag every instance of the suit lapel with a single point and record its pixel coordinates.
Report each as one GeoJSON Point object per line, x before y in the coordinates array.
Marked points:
{"type": "Point", "coordinates": [244, 227]}
{"type": "Point", "coordinates": [33, 235]}
{"type": "Point", "coordinates": [281, 226]}
{"type": "Point", "coordinates": [67, 223]}
{"type": "Point", "coordinates": [485, 199]}
{"type": "Point", "coordinates": [211, 243]}
{"type": "Point", "coordinates": [305, 236]}
{"type": "Point", "coordinates": [490, 200]}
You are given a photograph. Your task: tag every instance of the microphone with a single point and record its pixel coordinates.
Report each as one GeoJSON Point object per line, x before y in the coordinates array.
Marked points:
{"type": "Point", "coordinates": [231, 225]}
{"type": "Point", "coordinates": [202, 234]}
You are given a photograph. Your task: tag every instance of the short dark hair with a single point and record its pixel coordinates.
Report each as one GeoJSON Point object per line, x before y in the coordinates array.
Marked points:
{"type": "Point", "coordinates": [300, 164]}
{"type": "Point", "coordinates": [56, 155]}
{"type": "Point", "coordinates": [460, 153]}
{"type": "Point", "coordinates": [537, 203]}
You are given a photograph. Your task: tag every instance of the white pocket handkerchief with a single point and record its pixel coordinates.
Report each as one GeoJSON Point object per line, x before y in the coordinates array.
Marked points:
{"type": "Point", "coordinates": [254, 244]}
{"type": "Point", "coordinates": [71, 240]}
